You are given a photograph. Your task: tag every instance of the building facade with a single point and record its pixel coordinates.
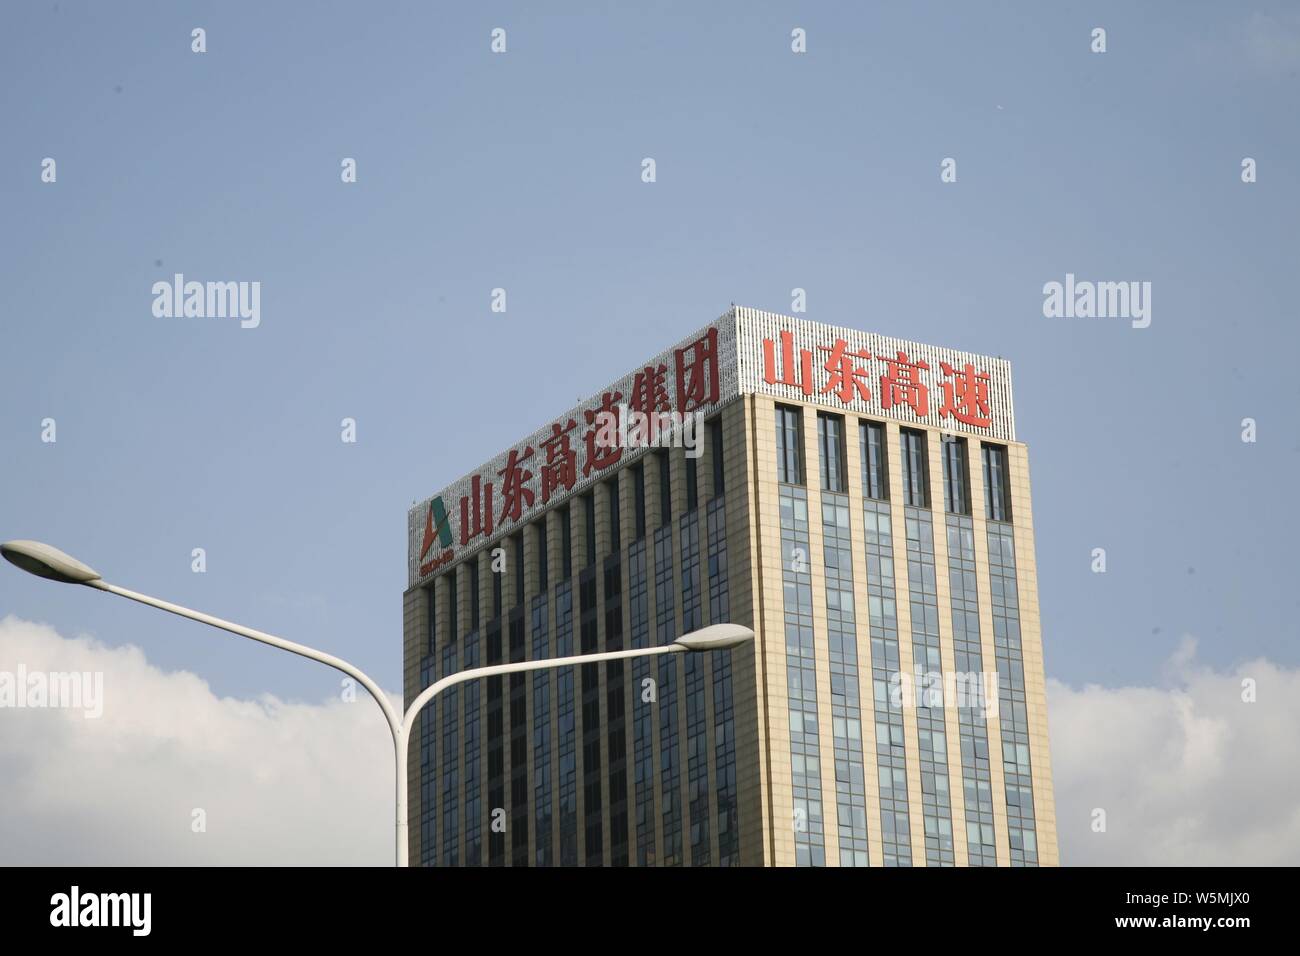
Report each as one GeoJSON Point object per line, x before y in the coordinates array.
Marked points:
{"type": "Point", "coordinates": [860, 501]}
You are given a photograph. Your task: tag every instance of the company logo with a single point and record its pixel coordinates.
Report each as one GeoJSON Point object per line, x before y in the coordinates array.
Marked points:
{"type": "Point", "coordinates": [437, 528]}
{"type": "Point", "coordinates": [102, 909]}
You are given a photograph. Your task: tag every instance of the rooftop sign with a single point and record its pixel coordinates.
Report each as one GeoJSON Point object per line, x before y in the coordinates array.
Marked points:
{"type": "Point", "coordinates": [744, 352]}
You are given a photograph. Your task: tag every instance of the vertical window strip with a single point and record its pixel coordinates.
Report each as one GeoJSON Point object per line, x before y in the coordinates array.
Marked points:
{"type": "Point", "coordinates": [428, 772]}
{"type": "Point", "coordinates": [643, 713]}
{"type": "Point", "coordinates": [473, 783]}
{"type": "Point", "coordinates": [1012, 709]}
{"type": "Point", "coordinates": [956, 492]}
{"type": "Point", "coordinates": [968, 657]}
{"type": "Point", "coordinates": [875, 474]}
{"type": "Point", "coordinates": [697, 742]}
{"type": "Point", "coordinates": [724, 732]}
{"type": "Point", "coordinates": [846, 698]}
{"type": "Point", "coordinates": [566, 726]}
{"type": "Point", "coordinates": [801, 678]}
{"type": "Point", "coordinates": [669, 760]}
{"type": "Point", "coordinates": [450, 774]}
{"type": "Point", "coordinates": [615, 717]}
{"type": "Point", "coordinates": [589, 675]}
{"type": "Point", "coordinates": [882, 623]}
{"type": "Point", "coordinates": [927, 667]}
{"type": "Point", "coordinates": [789, 466]}
{"type": "Point", "coordinates": [496, 789]}
{"type": "Point", "coordinates": [519, 804]}
{"type": "Point", "coordinates": [542, 785]}
{"type": "Point", "coordinates": [830, 451]}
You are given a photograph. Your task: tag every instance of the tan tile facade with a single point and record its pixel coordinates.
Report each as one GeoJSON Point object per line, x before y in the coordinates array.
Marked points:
{"type": "Point", "coordinates": [763, 794]}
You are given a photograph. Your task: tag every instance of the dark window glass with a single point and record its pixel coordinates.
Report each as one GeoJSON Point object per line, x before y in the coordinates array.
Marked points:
{"type": "Point", "coordinates": [665, 490]}
{"type": "Point", "coordinates": [997, 491]}
{"type": "Point", "coordinates": [473, 592]}
{"type": "Point", "coordinates": [692, 484]}
{"type": "Point", "coordinates": [875, 474]}
{"type": "Point", "coordinates": [638, 494]}
{"type": "Point", "coordinates": [453, 609]}
{"type": "Point", "coordinates": [589, 525]}
{"type": "Point", "coordinates": [615, 522]}
{"type": "Point", "coordinates": [789, 460]}
{"type": "Point", "coordinates": [715, 452]}
{"type": "Point", "coordinates": [916, 483]}
{"type": "Point", "coordinates": [496, 590]}
{"type": "Point", "coordinates": [543, 578]}
{"type": "Point", "coordinates": [431, 593]}
{"type": "Point", "coordinates": [519, 568]}
{"type": "Point", "coordinates": [956, 482]}
{"type": "Point", "coordinates": [830, 451]}
{"type": "Point", "coordinates": [566, 543]}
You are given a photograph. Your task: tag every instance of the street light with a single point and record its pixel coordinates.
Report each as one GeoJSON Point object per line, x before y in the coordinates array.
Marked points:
{"type": "Point", "coordinates": [49, 562]}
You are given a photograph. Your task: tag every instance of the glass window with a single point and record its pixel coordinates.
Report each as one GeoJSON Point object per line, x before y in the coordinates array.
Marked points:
{"type": "Point", "coordinates": [875, 483]}
{"type": "Point", "coordinates": [830, 451]}
{"type": "Point", "coordinates": [589, 525]}
{"type": "Point", "coordinates": [615, 522]}
{"type": "Point", "coordinates": [566, 542]}
{"type": "Point", "coordinates": [665, 490]}
{"type": "Point", "coordinates": [692, 484]}
{"type": "Point", "coordinates": [916, 484]}
{"type": "Point", "coordinates": [956, 490]}
{"type": "Point", "coordinates": [715, 452]}
{"type": "Point", "coordinates": [543, 582]}
{"type": "Point", "coordinates": [473, 592]}
{"type": "Point", "coordinates": [519, 568]}
{"type": "Point", "coordinates": [638, 495]}
{"type": "Point", "coordinates": [789, 460]}
{"type": "Point", "coordinates": [997, 495]}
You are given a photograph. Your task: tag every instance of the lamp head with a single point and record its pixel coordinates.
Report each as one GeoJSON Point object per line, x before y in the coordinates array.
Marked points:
{"type": "Point", "coordinates": [716, 637]}
{"type": "Point", "coordinates": [47, 562]}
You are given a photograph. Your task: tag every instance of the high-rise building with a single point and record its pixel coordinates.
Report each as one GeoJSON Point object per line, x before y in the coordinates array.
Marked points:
{"type": "Point", "coordinates": [860, 501]}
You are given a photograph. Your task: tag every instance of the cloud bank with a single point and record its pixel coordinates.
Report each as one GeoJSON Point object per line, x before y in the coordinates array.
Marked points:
{"type": "Point", "coordinates": [278, 783]}
{"type": "Point", "coordinates": [1187, 773]}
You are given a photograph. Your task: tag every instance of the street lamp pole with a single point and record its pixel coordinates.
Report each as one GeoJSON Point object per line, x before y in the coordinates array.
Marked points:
{"type": "Point", "coordinates": [49, 562]}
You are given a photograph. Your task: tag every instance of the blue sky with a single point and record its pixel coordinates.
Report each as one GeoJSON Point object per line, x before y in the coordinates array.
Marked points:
{"type": "Point", "coordinates": [522, 170]}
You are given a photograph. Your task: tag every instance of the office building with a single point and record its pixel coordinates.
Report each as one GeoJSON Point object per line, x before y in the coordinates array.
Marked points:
{"type": "Point", "coordinates": [860, 501]}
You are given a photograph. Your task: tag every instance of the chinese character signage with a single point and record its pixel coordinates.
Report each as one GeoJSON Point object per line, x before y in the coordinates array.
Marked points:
{"type": "Point", "coordinates": [744, 352]}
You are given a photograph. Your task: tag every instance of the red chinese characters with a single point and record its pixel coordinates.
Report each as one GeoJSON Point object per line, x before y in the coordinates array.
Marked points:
{"type": "Point", "coordinates": [650, 397]}
{"type": "Point", "coordinates": [848, 378]}
{"type": "Point", "coordinates": [901, 385]}
{"type": "Point", "coordinates": [603, 449]}
{"type": "Point", "coordinates": [801, 378]}
{"type": "Point", "coordinates": [476, 511]}
{"type": "Point", "coordinates": [697, 373]}
{"type": "Point", "coordinates": [966, 396]}
{"type": "Point", "coordinates": [514, 485]}
{"type": "Point", "coordinates": [561, 468]}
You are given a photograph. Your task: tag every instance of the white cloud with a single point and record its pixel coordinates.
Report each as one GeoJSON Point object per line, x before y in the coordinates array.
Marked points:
{"type": "Point", "coordinates": [281, 783]}
{"type": "Point", "coordinates": [1187, 775]}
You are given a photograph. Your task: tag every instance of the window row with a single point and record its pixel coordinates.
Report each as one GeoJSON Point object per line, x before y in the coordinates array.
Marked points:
{"type": "Point", "coordinates": [914, 464]}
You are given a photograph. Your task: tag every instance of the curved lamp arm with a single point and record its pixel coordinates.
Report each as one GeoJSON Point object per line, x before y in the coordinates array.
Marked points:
{"type": "Point", "coordinates": [461, 677]}
{"type": "Point", "coordinates": [390, 713]}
